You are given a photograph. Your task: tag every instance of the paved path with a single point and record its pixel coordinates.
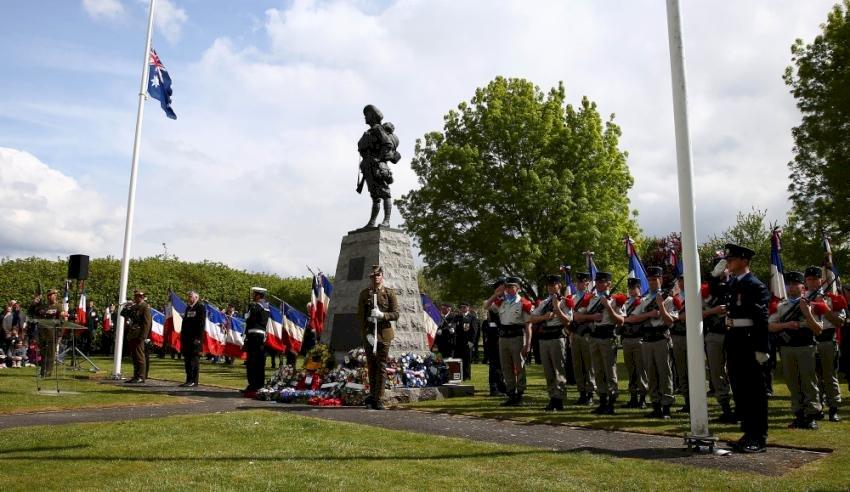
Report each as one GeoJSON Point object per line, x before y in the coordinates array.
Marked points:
{"type": "Point", "coordinates": [560, 438]}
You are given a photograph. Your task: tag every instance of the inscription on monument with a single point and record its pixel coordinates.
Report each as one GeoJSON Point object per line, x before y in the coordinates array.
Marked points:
{"type": "Point", "coordinates": [355, 268]}
{"type": "Point", "coordinates": [345, 335]}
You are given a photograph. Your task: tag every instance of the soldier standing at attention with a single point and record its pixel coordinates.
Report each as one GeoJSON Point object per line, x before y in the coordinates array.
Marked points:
{"type": "Point", "coordinates": [746, 347]}
{"type": "Point", "coordinates": [605, 313]}
{"type": "Point", "coordinates": [256, 321]}
{"type": "Point", "coordinates": [491, 329]}
{"type": "Point", "coordinates": [678, 337]}
{"type": "Point", "coordinates": [715, 297]}
{"type": "Point", "coordinates": [657, 313]}
{"type": "Point", "coordinates": [48, 338]}
{"type": "Point", "coordinates": [137, 314]}
{"type": "Point", "coordinates": [630, 337]}
{"type": "Point", "coordinates": [514, 339]}
{"type": "Point", "coordinates": [580, 342]}
{"type": "Point", "coordinates": [827, 346]}
{"type": "Point", "coordinates": [554, 314]}
{"type": "Point", "coordinates": [466, 338]}
{"type": "Point", "coordinates": [382, 313]}
{"type": "Point", "coordinates": [796, 325]}
{"type": "Point", "coordinates": [191, 334]}
{"type": "Point", "coordinates": [444, 340]}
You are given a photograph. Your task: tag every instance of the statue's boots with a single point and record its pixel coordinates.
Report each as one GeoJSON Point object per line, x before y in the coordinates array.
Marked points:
{"type": "Point", "coordinates": [376, 207]}
{"type": "Point", "coordinates": [388, 208]}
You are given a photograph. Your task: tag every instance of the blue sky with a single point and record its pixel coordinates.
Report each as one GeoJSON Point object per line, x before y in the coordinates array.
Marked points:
{"type": "Point", "coordinates": [258, 169]}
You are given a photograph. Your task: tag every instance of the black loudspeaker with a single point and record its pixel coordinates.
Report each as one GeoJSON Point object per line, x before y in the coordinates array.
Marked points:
{"type": "Point", "coordinates": [78, 267]}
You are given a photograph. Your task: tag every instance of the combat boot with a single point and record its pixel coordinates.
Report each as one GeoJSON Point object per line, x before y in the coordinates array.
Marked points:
{"type": "Point", "coordinates": [609, 408]}
{"type": "Point", "coordinates": [665, 412]}
{"type": "Point", "coordinates": [632, 403]}
{"type": "Point", "coordinates": [799, 421]}
{"type": "Point", "coordinates": [656, 411]}
{"type": "Point", "coordinates": [809, 424]}
{"type": "Point", "coordinates": [728, 416]}
{"type": "Point", "coordinates": [833, 414]}
{"type": "Point", "coordinates": [582, 399]}
{"type": "Point", "coordinates": [642, 402]}
{"type": "Point", "coordinates": [550, 406]}
{"type": "Point", "coordinates": [686, 408]}
{"type": "Point", "coordinates": [559, 405]}
{"type": "Point", "coordinates": [603, 405]}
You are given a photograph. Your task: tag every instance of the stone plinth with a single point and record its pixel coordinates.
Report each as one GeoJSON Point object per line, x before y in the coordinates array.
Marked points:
{"type": "Point", "coordinates": [359, 251]}
{"type": "Point", "coordinates": [411, 395]}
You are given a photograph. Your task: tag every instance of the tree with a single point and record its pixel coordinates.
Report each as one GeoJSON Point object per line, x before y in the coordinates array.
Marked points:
{"type": "Point", "coordinates": [518, 183]}
{"type": "Point", "coordinates": [751, 230]}
{"type": "Point", "coordinates": [820, 82]}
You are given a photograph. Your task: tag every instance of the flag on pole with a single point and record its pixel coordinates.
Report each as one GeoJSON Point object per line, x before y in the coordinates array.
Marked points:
{"type": "Point", "coordinates": [65, 306]}
{"type": "Point", "coordinates": [174, 320]}
{"type": "Point", "coordinates": [157, 335]}
{"type": "Point", "coordinates": [234, 337]}
{"type": "Point", "coordinates": [159, 84]}
{"type": "Point", "coordinates": [432, 318]}
{"type": "Point", "coordinates": [294, 323]}
{"type": "Point", "coordinates": [213, 342]}
{"type": "Point", "coordinates": [636, 269]}
{"type": "Point", "coordinates": [107, 320]}
{"type": "Point", "coordinates": [82, 315]}
{"type": "Point", "coordinates": [275, 338]}
{"type": "Point", "coordinates": [777, 271]}
{"type": "Point", "coordinates": [591, 268]}
{"type": "Point", "coordinates": [320, 297]}
{"type": "Point", "coordinates": [830, 265]}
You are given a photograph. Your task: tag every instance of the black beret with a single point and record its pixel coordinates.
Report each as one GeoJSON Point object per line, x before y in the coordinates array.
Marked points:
{"type": "Point", "coordinates": [497, 283]}
{"type": "Point", "coordinates": [813, 271]}
{"type": "Point", "coordinates": [512, 280]}
{"type": "Point", "coordinates": [603, 276]}
{"type": "Point", "coordinates": [796, 277]}
{"type": "Point", "coordinates": [654, 271]}
{"type": "Point", "coordinates": [634, 282]}
{"type": "Point", "coordinates": [464, 304]}
{"type": "Point", "coordinates": [553, 279]}
{"type": "Point", "coordinates": [582, 276]}
{"type": "Point", "coordinates": [735, 251]}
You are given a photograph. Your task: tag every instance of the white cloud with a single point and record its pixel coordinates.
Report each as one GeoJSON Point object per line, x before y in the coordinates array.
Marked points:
{"type": "Point", "coordinates": [169, 20]}
{"type": "Point", "coordinates": [44, 212]}
{"type": "Point", "coordinates": [104, 9]}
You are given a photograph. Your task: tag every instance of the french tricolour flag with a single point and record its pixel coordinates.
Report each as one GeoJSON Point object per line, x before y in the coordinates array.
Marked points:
{"type": "Point", "coordinates": [234, 337]}
{"type": "Point", "coordinates": [432, 318]}
{"type": "Point", "coordinates": [320, 297]}
{"type": "Point", "coordinates": [777, 271]}
{"type": "Point", "coordinates": [107, 320]}
{"type": "Point", "coordinates": [82, 316]}
{"type": "Point", "coordinates": [174, 320]}
{"type": "Point", "coordinates": [275, 339]}
{"type": "Point", "coordinates": [294, 323]}
{"type": "Point", "coordinates": [636, 269]}
{"type": "Point", "coordinates": [214, 331]}
{"type": "Point", "coordinates": [591, 268]}
{"type": "Point", "coordinates": [157, 327]}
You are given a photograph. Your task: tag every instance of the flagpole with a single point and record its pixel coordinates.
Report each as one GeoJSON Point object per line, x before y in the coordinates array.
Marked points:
{"type": "Point", "coordinates": [700, 434]}
{"type": "Point", "coordinates": [131, 199]}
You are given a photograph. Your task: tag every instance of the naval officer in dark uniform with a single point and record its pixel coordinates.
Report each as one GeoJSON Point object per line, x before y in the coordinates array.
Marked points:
{"type": "Point", "coordinates": [191, 338]}
{"type": "Point", "coordinates": [256, 321]}
{"type": "Point", "coordinates": [747, 347]}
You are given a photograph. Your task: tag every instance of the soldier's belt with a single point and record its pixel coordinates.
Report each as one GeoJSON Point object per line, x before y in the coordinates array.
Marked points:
{"type": "Point", "coordinates": [827, 335]}
{"type": "Point", "coordinates": [739, 322]}
{"type": "Point", "coordinates": [602, 331]}
{"type": "Point", "coordinates": [510, 331]}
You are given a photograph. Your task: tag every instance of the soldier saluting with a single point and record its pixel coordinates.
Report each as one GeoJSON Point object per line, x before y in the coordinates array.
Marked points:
{"type": "Point", "coordinates": [377, 304]}
{"type": "Point", "coordinates": [137, 314]}
{"type": "Point", "coordinates": [747, 346]}
{"type": "Point", "coordinates": [257, 319]}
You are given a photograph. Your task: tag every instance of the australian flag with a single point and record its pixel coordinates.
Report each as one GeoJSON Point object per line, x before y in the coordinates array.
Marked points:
{"type": "Point", "coordinates": [159, 84]}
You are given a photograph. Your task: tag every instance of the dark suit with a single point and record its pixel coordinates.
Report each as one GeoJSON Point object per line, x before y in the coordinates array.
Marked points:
{"type": "Point", "coordinates": [490, 330]}
{"type": "Point", "coordinates": [465, 338]}
{"type": "Point", "coordinates": [191, 337]}
{"type": "Point", "coordinates": [446, 335]}
{"type": "Point", "coordinates": [255, 338]}
{"type": "Point", "coordinates": [748, 299]}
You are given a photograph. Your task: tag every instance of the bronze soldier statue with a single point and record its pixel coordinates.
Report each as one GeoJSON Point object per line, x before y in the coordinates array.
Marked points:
{"type": "Point", "coordinates": [377, 147]}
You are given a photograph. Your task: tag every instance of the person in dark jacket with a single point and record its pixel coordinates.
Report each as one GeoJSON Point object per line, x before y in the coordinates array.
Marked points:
{"type": "Point", "coordinates": [191, 335]}
{"type": "Point", "coordinates": [256, 320]}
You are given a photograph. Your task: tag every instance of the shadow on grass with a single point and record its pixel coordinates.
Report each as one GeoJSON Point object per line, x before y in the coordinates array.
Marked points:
{"type": "Point", "coordinates": [231, 458]}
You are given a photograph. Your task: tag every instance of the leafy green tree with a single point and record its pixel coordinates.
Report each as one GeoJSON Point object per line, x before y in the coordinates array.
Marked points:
{"type": "Point", "coordinates": [518, 183]}
{"type": "Point", "coordinates": [751, 230]}
{"type": "Point", "coordinates": [820, 82]}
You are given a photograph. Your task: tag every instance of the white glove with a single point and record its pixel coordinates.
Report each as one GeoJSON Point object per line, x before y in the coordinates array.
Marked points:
{"type": "Point", "coordinates": [371, 339]}
{"type": "Point", "coordinates": [376, 313]}
{"type": "Point", "coordinates": [370, 319]}
{"type": "Point", "coordinates": [762, 357]}
{"type": "Point", "coordinates": [719, 268]}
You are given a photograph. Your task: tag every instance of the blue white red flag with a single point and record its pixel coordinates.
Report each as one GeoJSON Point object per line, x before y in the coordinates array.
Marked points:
{"type": "Point", "coordinates": [173, 320]}
{"type": "Point", "coordinates": [213, 342]}
{"type": "Point", "coordinates": [159, 84]}
{"type": "Point", "coordinates": [777, 271]}
{"type": "Point", "coordinates": [591, 268]}
{"type": "Point", "coordinates": [157, 334]}
{"type": "Point", "coordinates": [275, 337]}
{"type": "Point", "coordinates": [294, 323]}
{"type": "Point", "coordinates": [320, 300]}
{"type": "Point", "coordinates": [82, 315]}
{"type": "Point", "coordinates": [827, 250]}
{"type": "Point", "coordinates": [636, 269]}
{"type": "Point", "coordinates": [234, 336]}
{"type": "Point", "coordinates": [432, 318]}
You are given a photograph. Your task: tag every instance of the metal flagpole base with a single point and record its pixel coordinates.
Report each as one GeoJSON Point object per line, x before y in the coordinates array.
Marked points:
{"type": "Point", "coordinates": [704, 445]}
{"type": "Point", "coordinates": [116, 377]}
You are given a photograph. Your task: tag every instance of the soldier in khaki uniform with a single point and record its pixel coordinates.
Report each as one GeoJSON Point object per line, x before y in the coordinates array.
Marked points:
{"type": "Point", "coordinates": [827, 345]}
{"type": "Point", "coordinates": [48, 338]}
{"type": "Point", "coordinates": [714, 323]}
{"type": "Point", "coordinates": [630, 338]}
{"type": "Point", "coordinates": [137, 315]}
{"type": "Point", "coordinates": [553, 314]}
{"type": "Point", "coordinates": [679, 339]}
{"type": "Point", "coordinates": [797, 327]}
{"type": "Point", "coordinates": [580, 343]}
{"type": "Point", "coordinates": [657, 312]}
{"type": "Point", "coordinates": [515, 337]}
{"type": "Point", "coordinates": [368, 313]}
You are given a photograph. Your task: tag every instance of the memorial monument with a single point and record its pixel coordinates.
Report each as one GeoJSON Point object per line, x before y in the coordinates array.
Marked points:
{"type": "Point", "coordinates": [376, 244]}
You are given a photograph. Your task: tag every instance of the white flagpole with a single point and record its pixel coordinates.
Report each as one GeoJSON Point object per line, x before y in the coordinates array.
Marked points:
{"type": "Point", "coordinates": [131, 200]}
{"type": "Point", "coordinates": [687, 215]}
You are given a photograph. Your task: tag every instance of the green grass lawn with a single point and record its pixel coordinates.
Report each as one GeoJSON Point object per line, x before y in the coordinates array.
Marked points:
{"type": "Point", "coordinates": [271, 450]}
